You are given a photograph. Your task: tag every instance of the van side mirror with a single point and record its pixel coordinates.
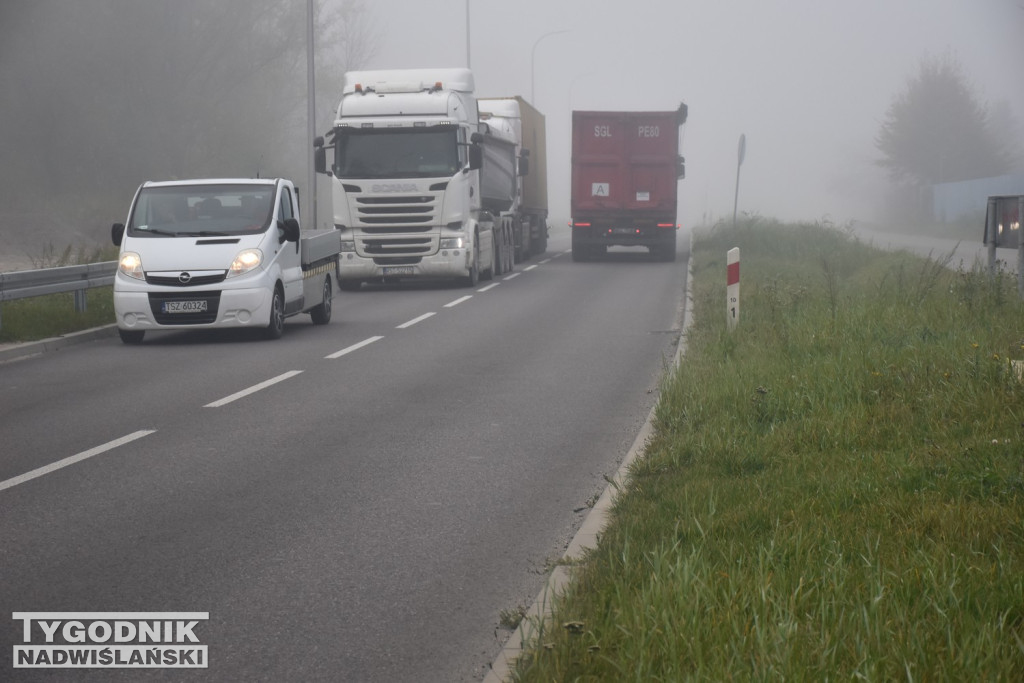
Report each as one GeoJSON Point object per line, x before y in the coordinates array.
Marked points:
{"type": "Point", "coordinates": [117, 233]}
{"type": "Point", "coordinates": [289, 230]}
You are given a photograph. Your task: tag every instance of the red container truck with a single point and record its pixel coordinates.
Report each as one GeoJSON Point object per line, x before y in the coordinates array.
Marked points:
{"type": "Point", "coordinates": [625, 171]}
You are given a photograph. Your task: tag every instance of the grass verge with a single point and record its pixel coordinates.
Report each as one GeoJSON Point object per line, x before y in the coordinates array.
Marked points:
{"type": "Point", "coordinates": [835, 489]}
{"type": "Point", "coordinates": [52, 315]}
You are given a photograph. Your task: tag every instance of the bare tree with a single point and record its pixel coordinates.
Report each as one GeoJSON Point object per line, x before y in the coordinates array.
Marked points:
{"type": "Point", "coordinates": [100, 95]}
{"type": "Point", "coordinates": [937, 131]}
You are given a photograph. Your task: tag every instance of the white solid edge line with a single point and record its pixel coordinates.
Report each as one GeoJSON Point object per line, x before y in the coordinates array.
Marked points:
{"type": "Point", "coordinates": [414, 321]}
{"type": "Point", "coordinates": [354, 347]}
{"type": "Point", "coordinates": [253, 389]}
{"type": "Point", "coordinates": [458, 301]}
{"type": "Point", "coordinates": [71, 460]}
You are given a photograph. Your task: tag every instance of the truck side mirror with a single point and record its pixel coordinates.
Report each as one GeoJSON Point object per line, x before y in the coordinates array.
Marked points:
{"type": "Point", "coordinates": [524, 165]}
{"type": "Point", "coordinates": [117, 233]}
{"type": "Point", "coordinates": [476, 157]}
{"type": "Point", "coordinates": [680, 167]}
{"type": "Point", "coordinates": [320, 159]}
{"type": "Point", "coordinates": [289, 230]}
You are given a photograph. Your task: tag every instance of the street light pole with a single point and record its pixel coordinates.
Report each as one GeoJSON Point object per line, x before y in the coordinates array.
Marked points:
{"type": "Point", "coordinates": [468, 65]}
{"type": "Point", "coordinates": [533, 52]}
{"type": "Point", "coordinates": [310, 116]}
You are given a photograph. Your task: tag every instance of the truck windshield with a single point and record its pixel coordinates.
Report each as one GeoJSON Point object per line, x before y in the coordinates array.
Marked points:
{"type": "Point", "coordinates": [396, 153]}
{"type": "Point", "coordinates": [198, 210]}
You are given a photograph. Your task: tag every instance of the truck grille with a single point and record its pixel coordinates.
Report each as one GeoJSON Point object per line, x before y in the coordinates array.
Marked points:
{"type": "Point", "coordinates": [405, 213]}
{"type": "Point", "coordinates": [410, 245]}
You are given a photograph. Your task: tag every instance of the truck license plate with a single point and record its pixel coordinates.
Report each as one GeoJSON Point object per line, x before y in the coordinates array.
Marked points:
{"type": "Point", "coordinates": [194, 306]}
{"type": "Point", "coordinates": [399, 270]}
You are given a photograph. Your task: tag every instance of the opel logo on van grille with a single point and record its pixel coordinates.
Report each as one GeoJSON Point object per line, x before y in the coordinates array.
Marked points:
{"type": "Point", "coordinates": [185, 278]}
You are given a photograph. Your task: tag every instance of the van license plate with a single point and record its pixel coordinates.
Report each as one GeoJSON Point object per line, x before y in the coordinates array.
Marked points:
{"type": "Point", "coordinates": [195, 306]}
{"type": "Point", "coordinates": [399, 270]}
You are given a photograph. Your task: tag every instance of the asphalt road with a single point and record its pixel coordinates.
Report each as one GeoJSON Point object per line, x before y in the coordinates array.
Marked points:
{"type": "Point", "coordinates": [964, 254]}
{"type": "Point", "coordinates": [355, 502]}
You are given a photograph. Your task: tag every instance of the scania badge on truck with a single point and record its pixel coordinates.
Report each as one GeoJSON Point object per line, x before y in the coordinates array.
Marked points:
{"type": "Point", "coordinates": [220, 253]}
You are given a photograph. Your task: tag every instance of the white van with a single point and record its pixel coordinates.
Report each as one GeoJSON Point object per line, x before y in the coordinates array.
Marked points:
{"type": "Point", "coordinates": [220, 253]}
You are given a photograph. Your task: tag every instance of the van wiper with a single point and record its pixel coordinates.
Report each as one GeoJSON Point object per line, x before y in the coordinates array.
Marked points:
{"type": "Point", "coordinates": [205, 233]}
{"type": "Point", "coordinates": [157, 231]}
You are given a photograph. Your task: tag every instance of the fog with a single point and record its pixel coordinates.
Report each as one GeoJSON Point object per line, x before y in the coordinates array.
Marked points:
{"type": "Point", "coordinates": [807, 81]}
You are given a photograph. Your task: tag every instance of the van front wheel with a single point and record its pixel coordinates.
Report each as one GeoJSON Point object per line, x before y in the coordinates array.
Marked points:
{"type": "Point", "coordinates": [275, 328]}
{"type": "Point", "coordinates": [132, 336]}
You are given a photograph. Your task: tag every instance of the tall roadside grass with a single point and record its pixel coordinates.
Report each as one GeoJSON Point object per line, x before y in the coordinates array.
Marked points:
{"type": "Point", "coordinates": [52, 315]}
{"type": "Point", "coordinates": [835, 489]}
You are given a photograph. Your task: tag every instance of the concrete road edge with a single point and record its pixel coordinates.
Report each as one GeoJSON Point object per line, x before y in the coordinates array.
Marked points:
{"type": "Point", "coordinates": [13, 352]}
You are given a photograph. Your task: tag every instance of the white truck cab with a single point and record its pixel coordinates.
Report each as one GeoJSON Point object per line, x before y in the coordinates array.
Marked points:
{"type": "Point", "coordinates": [404, 162]}
{"type": "Point", "coordinates": [219, 253]}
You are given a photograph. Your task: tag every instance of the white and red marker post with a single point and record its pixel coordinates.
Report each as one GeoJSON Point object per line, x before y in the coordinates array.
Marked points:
{"type": "Point", "coordinates": [732, 288]}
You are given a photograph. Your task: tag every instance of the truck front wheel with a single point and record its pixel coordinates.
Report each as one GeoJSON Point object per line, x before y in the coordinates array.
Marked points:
{"type": "Point", "coordinates": [321, 314]}
{"type": "Point", "coordinates": [275, 328]}
{"type": "Point", "coordinates": [473, 279]}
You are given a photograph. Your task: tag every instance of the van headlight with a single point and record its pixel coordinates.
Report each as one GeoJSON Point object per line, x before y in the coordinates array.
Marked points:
{"type": "Point", "coordinates": [130, 265]}
{"type": "Point", "coordinates": [246, 260]}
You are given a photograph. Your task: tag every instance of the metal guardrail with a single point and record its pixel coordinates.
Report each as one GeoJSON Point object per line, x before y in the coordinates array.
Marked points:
{"type": "Point", "coordinates": [24, 284]}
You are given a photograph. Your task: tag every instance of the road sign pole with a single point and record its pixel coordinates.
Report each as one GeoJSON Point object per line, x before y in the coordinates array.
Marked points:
{"type": "Point", "coordinates": [741, 153]}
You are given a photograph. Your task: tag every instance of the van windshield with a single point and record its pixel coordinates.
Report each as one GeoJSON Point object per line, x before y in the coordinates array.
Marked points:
{"type": "Point", "coordinates": [199, 210]}
{"type": "Point", "coordinates": [396, 153]}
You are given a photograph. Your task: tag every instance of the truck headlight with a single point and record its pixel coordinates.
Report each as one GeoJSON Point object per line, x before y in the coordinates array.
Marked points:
{"type": "Point", "coordinates": [348, 246]}
{"type": "Point", "coordinates": [246, 260]}
{"type": "Point", "coordinates": [131, 265]}
{"type": "Point", "coordinates": [452, 242]}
